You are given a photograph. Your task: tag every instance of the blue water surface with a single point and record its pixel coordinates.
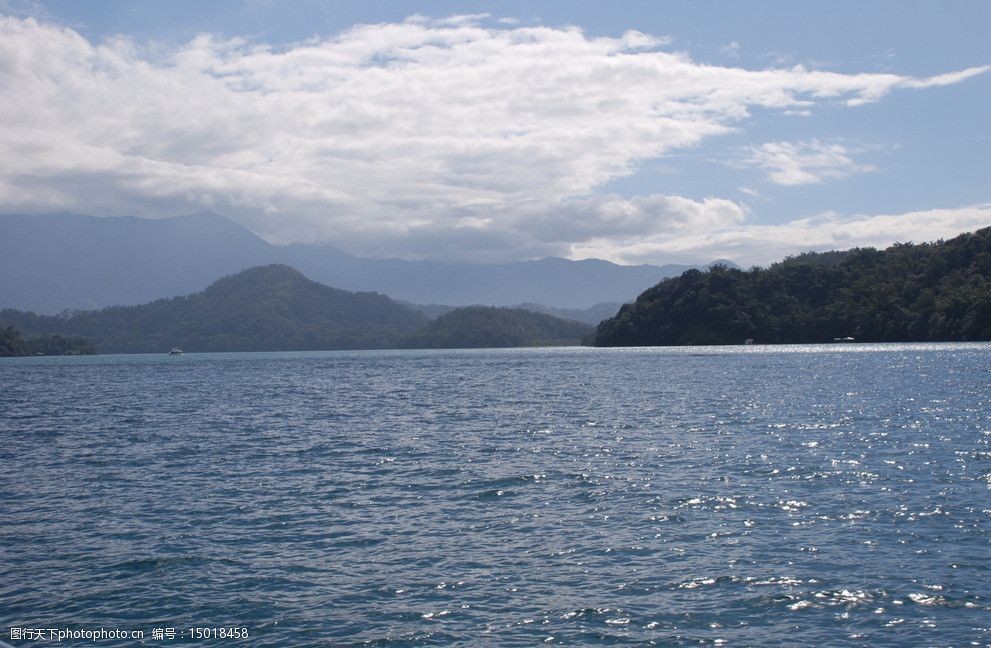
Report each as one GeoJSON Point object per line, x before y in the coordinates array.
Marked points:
{"type": "Point", "coordinates": [801, 495]}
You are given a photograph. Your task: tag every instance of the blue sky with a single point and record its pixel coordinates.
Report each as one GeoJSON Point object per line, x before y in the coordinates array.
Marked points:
{"type": "Point", "coordinates": [642, 131]}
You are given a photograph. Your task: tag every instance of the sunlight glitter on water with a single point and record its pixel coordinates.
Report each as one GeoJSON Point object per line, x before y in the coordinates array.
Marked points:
{"type": "Point", "coordinates": [586, 496]}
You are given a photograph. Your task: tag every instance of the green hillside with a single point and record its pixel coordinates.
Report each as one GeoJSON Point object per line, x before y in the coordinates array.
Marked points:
{"type": "Point", "coordinates": [925, 292]}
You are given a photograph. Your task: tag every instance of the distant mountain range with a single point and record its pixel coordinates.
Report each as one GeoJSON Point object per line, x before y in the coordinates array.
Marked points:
{"type": "Point", "coordinates": [907, 293]}
{"type": "Point", "coordinates": [53, 262]}
{"type": "Point", "coordinates": [64, 261]}
{"type": "Point", "coordinates": [591, 315]}
{"type": "Point", "coordinates": [276, 308]}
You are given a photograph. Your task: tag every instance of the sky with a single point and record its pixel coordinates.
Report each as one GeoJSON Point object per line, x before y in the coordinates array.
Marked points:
{"type": "Point", "coordinates": [638, 132]}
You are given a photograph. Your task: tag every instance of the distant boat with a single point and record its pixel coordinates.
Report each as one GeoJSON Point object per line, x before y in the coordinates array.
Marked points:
{"type": "Point", "coordinates": [175, 351]}
{"type": "Point", "coordinates": [748, 341]}
{"type": "Point", "coordinates": [844, 339]}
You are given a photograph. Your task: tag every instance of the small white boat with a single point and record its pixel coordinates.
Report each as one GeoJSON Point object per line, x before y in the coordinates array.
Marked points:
{"type": "Point", "coordinates": [175, 351]}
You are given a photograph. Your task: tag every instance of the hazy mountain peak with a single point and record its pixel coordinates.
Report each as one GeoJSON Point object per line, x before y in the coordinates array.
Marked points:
{"type": "Point", "coordinates": [266, 274]}
{"type": "Point", "coordinates": [205, 214]}
{"type": "Point", "coordinates": [63, 261]}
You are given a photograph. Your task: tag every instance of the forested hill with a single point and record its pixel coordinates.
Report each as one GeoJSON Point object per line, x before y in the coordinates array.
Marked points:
{"type": "Point", "coordinates": [264, 308]}
{"type": "Point", "coordinates": [489, 326]}
{"type": "Point", "coordinates": [925, 292]}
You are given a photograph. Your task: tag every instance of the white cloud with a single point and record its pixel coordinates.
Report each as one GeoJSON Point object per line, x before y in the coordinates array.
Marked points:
{"type": "Point", "coordinates": [614, 218]}
{"type": "Point", "coordinates": [595, 226]}
{"type": "Point", "coordinates": [763, 244]}
{"type": "Point", "coordinates": [798, 163]}
{"type": "Point", "coordinates": [454, 137]}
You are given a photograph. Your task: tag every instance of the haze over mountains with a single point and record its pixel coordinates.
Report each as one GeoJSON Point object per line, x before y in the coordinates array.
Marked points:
{"type": "Point", "coordinates": [909, 292]}
{"type": "Point", "coordinates": [479, 327]}
{"type": "Point", "coordinates": [59, 261]}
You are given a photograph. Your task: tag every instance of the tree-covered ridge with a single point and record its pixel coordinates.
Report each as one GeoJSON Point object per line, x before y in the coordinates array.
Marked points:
{"type": "Point", "coordinates": [490, 326]}
{"type": "Point", "coordinates": [13, 344]}
{"type": "Point", "coordinates": [264, 308]}
{"type": "Point", "coordinates": [908, 292]}
{"type": "Point", "coordinates": [275, 308]}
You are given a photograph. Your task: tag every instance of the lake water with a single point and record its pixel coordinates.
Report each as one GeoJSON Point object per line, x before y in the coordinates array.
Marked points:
{"type": "Point", "coordinates": [739, 496]}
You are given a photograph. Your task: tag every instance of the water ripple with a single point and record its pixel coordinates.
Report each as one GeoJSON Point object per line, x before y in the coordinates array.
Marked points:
{"type": "Point", "coordinates": [823, 495]}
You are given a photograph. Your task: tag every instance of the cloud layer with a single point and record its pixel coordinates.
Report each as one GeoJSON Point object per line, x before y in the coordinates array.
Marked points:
{"type": "Point", "coordinates": [458, 138]}
{"type": "Point", "coordinates": [765, 244]}
{"type": "Point", "coordinates": [798, 163]}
